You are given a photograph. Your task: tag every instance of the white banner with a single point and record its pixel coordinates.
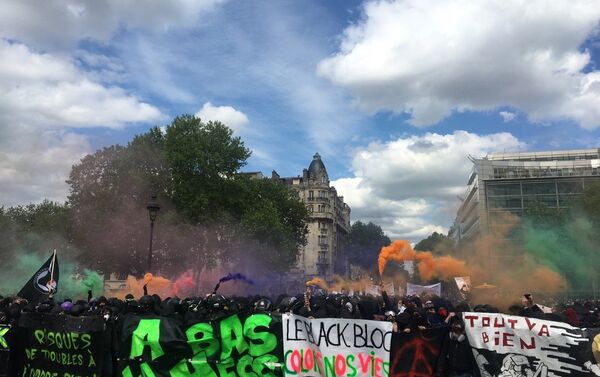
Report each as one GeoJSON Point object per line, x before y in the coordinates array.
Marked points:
{"type": "Point", "coordinates": [417, 290]}
{"type": "Point", "coordinates": [373, 290]}
{"type": "Point", "coordinates": [333, 347]}
{"type": "Point", "coordinates": [533, 346]}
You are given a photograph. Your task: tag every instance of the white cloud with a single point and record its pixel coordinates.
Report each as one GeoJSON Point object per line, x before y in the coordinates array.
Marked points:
{"type": "Point", "coordinates": [43, 99]}
{"type": "Point", "coordinates": [430, 57]}
{"type": "Point", "coordinates": [232, 118]}
{"type": "Point", "coordinates": [409, 185]}
{"type": "Point", "coordinates": [35, 164]}
{"type": "Point", "coordinates": [60, 24]}
{"type": "Point", "coordinates": [507, 116]}
{"type": "Point", "coordinates": [49, 91]}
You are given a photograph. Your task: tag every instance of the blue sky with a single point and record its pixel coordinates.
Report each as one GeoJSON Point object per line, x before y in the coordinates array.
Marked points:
{"type": "Point", "coordinates": [393, 94]}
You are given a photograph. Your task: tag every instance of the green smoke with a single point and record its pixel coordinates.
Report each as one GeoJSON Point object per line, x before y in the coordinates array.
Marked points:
{"type": "Point", "coordinates": [70, 284]}
{"type": "Point", "coordinates": [568, 246]}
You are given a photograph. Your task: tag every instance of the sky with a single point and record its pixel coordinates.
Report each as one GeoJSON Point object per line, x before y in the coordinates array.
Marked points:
{"type": "Point", "coordinates": [394, 95]}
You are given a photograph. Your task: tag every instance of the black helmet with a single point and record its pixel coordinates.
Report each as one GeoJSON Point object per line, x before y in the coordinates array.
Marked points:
{"type": "Point", "coordinates": [217, 302]}
{"type": "Point", "coordinates": [262, 305]}
{"type": "Point", "coordinates": [146, 302]}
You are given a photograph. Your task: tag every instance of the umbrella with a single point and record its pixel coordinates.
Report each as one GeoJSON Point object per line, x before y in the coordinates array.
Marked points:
{"type": "Point", "coordinates": [485, 286]}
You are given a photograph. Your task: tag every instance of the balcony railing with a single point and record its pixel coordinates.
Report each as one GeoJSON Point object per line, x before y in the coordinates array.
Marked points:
{"type": "Point", "coordinates": [318, 199]}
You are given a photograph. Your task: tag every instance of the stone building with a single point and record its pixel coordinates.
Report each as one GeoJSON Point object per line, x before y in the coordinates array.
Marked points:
{"type": "Point", "coordinates": [329, 224]}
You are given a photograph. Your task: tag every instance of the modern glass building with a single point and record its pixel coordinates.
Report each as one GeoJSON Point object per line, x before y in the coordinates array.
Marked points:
{"type": "Point", "coordinates": [502, 186]}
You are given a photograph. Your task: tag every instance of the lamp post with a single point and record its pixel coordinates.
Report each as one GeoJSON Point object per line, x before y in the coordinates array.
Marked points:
{"type": "Point", "coordinates": [153, 209]}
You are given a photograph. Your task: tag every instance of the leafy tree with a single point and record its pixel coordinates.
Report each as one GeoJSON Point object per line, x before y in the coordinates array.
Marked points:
{"type": "Point", "coordinates": [208, 210]}
{"type": "Point", "coordinates": [35, 228]}
{"type": "Point", "coordinates": [365, 243]}
{"type": "Point", "coordinates": [436, 243]}
{"type": "Point", "coordinates": [203, 159]}
{"type": "Point", "coordinates": [276, 218]}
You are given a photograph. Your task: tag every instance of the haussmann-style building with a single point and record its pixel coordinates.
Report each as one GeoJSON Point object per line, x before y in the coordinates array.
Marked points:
{"type": "Point", "coordinates": [328, 227]}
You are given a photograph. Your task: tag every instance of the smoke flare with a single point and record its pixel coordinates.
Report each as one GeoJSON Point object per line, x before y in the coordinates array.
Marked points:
{"type": "Point", "coordinates": [318, 282]}
{"type": "Point", "coordinates": [429, 267]}
{"type": "Point", "coordinates": [184, 285]}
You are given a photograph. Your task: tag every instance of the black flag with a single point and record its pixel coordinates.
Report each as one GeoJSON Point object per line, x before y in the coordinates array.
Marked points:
{"type": "Point", "coordinates": [43, 282]}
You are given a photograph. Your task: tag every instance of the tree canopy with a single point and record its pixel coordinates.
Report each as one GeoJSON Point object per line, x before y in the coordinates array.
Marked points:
{"type": "Point", "coordinates": [365, 243]}
{"type": "Point", "coordinates": [209, 210]}
{"type": "Point", "coordinates": [436, 243]}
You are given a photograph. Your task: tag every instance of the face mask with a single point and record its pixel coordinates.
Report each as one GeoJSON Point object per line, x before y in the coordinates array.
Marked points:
{"type": "Point", "coordinates": [457, 337]}
{"type": "Point", "coordinates": [401, 308]}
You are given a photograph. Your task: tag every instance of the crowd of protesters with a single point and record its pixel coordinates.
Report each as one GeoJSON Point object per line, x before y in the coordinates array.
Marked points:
{"type": "Point", "coordinates": [407, 314]}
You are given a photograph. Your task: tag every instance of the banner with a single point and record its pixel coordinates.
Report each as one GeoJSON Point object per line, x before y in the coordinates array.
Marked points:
{"type": "Point", "coordinates": [373, 290]}
{"type": "Point", "coordinates": [417, 290]}
{"type": "Point", "coordinates": [333, 347]}
{"type": "Point", "coordinates": [5, 347]}
{"type": "Point", "coordinates": [59, 345]}
{"type": "Point", "coordinates": [232, 346]}
{"type": "Point", "coordinates": [463, 283]}
{"type": "Point", "coordinates": [506, 345]}
{"type": "Point", "coordinates": [416, 353]}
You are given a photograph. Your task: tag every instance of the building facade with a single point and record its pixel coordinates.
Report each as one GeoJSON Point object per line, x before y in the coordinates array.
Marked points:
{"type": "Point", "coordinates": [502, 186]}
{"type": "Point", "coordinates": [328, 227]}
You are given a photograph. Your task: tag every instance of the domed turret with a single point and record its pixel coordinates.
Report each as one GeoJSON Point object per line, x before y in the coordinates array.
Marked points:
{"type": "Point", "coordinates": [317, 170]}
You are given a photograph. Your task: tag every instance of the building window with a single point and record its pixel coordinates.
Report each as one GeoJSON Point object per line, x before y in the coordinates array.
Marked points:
{"type": "Point", "coordinates": [322, 240]}
{"type": "Point", "coordinates": [310, 209]}
{"type": "Point", "coordinates": [311, 195]}
{"type": "Point", "coordinates": [321, 208]}
{"type": "Point", "coordinates": [503, 189]}
{"type": "Point", "coordinates": [539, 188]}
{"type": "Point", "coordinates": [323, 226]}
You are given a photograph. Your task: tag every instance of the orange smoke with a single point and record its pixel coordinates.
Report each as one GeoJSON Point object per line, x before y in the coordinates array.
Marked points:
{"type": "Point", "coordinates": [318, 282]}
{"type": "Point", "coordinates": [429, 267]}
{"type": "Point", "coordinates": [155, 284]}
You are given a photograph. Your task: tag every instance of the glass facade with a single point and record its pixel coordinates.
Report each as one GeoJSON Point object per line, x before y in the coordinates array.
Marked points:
{"type": "Point", "coordinates": [514, 196]}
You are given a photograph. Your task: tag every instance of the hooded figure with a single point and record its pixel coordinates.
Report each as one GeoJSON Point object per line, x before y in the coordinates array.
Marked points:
{"type": "Point", "coordinates": [456, 357]}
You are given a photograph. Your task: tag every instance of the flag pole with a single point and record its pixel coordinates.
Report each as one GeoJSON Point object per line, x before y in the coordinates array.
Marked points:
{"type": "Point", "coordinates": [51, 290]}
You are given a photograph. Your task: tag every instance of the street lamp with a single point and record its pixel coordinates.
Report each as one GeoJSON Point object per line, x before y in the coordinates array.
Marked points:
{"type": "Point", "coordinates": [153, 209]}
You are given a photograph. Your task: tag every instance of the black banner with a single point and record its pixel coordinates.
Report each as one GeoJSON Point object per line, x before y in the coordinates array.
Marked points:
{"type": "Point", "coordinates": [51, 345]}
{"type": "Point", "coordinates": [5, 347]}
{"type": "Point", "coordinates": [232, 346]}
{"type": "Point", "coordinates": [415, 354]}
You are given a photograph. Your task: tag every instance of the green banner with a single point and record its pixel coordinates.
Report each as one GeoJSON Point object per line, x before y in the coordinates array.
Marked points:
{"type": "Point", "coordinates": [231, 346]}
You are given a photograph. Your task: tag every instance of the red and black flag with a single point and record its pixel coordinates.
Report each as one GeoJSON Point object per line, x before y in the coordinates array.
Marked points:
{"type": "Point", "coordinates": [43, 283]}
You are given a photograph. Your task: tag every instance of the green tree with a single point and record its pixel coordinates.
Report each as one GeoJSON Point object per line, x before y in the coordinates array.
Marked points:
{"type": "Point", "coordinates": [204, 159]}
{"type": "Point", "coordinates": [275, 217]}
{"type": "Point", "coordinates": [365, 243]}
{"type": "Point", "coordinates": [208, 211]}
{"type": "Point", "coordinates": [437, 243]}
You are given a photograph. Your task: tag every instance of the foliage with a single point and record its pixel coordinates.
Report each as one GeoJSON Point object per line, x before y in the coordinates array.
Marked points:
{"type": "Point", "coordinates": [203, 158]}
{"type": "Point", "coordinates": [365, 243]}
{"type": "Point", "coordinates": [209, 211]}
{"type": "Point", "coordinates": [437, 243]}
{"type": "Point", "coordinates": [34, 228]}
